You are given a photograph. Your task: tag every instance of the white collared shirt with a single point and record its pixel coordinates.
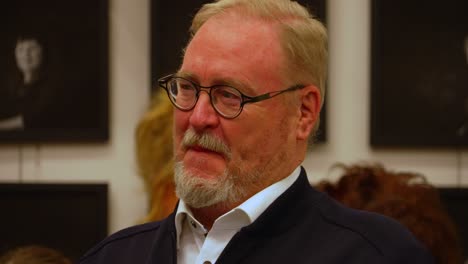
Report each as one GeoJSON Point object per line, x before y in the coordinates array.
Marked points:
{"type": "Point", "coordinates": [196, 245]}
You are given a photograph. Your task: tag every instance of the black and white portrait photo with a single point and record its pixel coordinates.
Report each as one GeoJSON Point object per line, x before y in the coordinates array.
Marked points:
{"type": "Point", "coordinates": [28, 96]}
{"type": "Point", "coordinates": [53, 71]}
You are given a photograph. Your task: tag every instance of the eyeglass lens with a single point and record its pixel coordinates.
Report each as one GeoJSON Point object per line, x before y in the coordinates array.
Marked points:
{"type": "Point", "coordinates": [226, 100]}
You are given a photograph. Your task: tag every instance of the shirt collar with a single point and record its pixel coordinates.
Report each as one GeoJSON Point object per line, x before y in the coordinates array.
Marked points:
{"type": "Point", "coordinates": [252, 208]}
{"type": "Point", "coordinates": [183, 212]}
{"type": "Point", "coordinates": [258, 203]}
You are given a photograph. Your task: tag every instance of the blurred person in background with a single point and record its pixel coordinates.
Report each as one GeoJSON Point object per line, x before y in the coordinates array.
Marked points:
{"type": "Point", "coordinates": [155, 158]}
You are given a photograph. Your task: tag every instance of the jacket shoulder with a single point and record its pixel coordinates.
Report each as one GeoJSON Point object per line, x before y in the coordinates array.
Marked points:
{"type": "Point", "coordinates": [389, 238]}
{"type": "Point", "coordinates": [119, 240]}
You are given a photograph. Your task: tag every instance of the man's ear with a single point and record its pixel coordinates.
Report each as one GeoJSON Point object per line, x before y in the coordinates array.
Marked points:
{"type": "Point", "coordinates": [310, 111]}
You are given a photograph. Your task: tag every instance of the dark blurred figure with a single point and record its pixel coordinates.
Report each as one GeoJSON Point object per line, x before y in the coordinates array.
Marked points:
{"type": "Point", "coordinates": [34, 254]}
{"type": "Point", "coordinates": [407, 197]}
{"type": "Point", "coordinates": [31, 98]}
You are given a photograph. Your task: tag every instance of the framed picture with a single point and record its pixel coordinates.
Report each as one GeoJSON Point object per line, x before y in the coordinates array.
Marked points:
{"type": "Point", "coordinates": [70, 218]}
{"type": "Point", "coordinates": [419, 94]}
{"type": "Point", "coordinates": [455, 201]}
{"type": "Point", "coordinates": [169, 36]}
{"type": "Point", "coordinates": [54, 71]}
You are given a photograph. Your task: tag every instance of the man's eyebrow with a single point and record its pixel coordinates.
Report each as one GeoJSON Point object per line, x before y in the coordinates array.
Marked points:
{"type": "Point", "coordinates": [242, 87]}
{"type": "Point", "coordinates": [185, 75]}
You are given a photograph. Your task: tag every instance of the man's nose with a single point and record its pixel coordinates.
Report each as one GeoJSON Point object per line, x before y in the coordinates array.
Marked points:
{"type": "Point", "coordinates": [203, 114]}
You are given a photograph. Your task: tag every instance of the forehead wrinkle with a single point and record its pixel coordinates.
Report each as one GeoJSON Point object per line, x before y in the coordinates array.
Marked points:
{"type": "Point", "coordinates": [228, 81]}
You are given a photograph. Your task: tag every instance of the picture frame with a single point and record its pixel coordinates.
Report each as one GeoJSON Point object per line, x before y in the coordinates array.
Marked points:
{"type": "Point", "coordinates": [419, 83]}
{"type": "Point", "coordinates": [455, 200]}
{"type": "Point", "coordinates": [68, 217]}
{"type": "Point", "coordinates": [169, 36]}
{"type": "Point", "coordinates": [54, 80]}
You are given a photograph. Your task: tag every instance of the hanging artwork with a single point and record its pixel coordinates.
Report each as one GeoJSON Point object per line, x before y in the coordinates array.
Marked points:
{"type": "Point", "coordinates": [53, 71]}
{"type": "Point", "coordinates": [419, 74]}
{"type": "Point", "coordinates": [70, 218]}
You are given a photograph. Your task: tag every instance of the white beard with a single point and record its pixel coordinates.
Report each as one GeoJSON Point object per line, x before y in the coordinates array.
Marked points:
{"type": "Point", "coordinates": [201, 192]}
{"type": "Point", "coordinates": [231, 187]}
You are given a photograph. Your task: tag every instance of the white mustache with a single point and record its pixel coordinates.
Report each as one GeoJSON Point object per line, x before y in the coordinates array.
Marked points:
{"type": "Point", "coordinates": [206, 141]}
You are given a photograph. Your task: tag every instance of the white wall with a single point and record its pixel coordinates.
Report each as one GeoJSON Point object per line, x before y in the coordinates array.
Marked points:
{"type": "Point", "coordinates": [348, 117]}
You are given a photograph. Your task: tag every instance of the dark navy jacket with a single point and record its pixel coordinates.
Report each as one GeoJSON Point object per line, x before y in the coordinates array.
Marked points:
{"type": "Point", "coordinates": [301, 226]}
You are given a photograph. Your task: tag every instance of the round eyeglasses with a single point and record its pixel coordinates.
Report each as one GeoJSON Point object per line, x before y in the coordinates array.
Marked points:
{"type": "Point", "coordinates": [226, 100]}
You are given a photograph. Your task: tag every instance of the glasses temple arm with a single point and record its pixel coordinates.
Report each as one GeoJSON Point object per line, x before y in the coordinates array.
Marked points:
{"type": "Point", "coordinates": [248, 99]}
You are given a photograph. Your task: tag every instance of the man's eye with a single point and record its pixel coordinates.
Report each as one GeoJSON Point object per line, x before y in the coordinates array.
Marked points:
{"type": "Point", "coordinates": [229, 95]}
{"type": "Point", "coordinates": [185, 86]}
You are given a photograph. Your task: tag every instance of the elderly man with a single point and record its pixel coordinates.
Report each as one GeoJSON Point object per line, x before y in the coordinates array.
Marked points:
{"type": "Point", "coordinates": [248, 96]}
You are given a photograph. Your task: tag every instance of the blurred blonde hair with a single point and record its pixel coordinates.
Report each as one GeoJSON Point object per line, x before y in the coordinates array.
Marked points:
{"type": "Point", "coordinates": [154, 154]}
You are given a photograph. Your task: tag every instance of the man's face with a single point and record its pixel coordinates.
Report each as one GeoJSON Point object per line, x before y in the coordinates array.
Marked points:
{"type": "Point", "coordinates": [28, 55]}
{"type": "Point", "coordinates": [245, 54]}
